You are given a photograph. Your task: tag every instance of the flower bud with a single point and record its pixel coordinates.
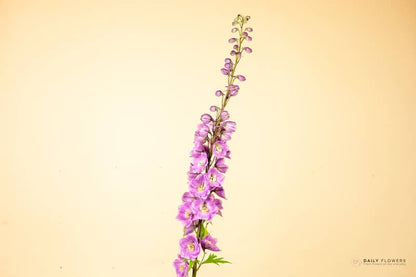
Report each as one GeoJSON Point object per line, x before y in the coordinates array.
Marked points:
{"type": "Point", "coordinates": [228, 60]}
{"type": "Point", "coordinates": [225, 115]}
{"type": "Point", "coordinates": [249, 38]}
{"type": "Point", "coordinates": [219, 93]}
{"type": "Point", "coordinates": [235, 47]}
{"type": "Point", "coordinates": [213, 108]}
{"type": "Point", "coordinates": [238, 54]}
{"type": "Point", "coordinates": [206, 118]}
{"type": "Point", "coordinates": [232, 53]}
{"type": "Point", "coordinates": [231, 40]}
{"type": "Point", "coordinates": [221, 166]}
{"type": "Point", "coordinates": [241, 78]}
{"type": "Point", "coordinates": [233, 30]}
{"type": "Point", "coordinates": [249, 29]}
{"type": "Point", "coordinates": [224, 71]}
{"type": "Point", "coordinates": [248, 50]}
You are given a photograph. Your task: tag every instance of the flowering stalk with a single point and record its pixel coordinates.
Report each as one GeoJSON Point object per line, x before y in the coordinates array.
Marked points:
{"type": "Point", "coordinates": [201, 203]}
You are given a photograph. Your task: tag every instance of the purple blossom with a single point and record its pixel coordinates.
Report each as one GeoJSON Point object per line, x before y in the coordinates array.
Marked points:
{"type": "Point", "coordinates": [225, 115]}
{"type": "Point", "coordinates": [231, 40]}
{"type": "Point", "coordinates": [181, 267]}
{"type": "Point", "coordinates": [249, 29]}
{"type": "Point", "coordinates": [187, 197]}
{"type": "Point", "coordinates": [213, 108]}
{"type": "Point", "coordinates": [199, 163]}
{"type": "Point", "coordinates": [188, 230]}
{"type": "Point", "coordinates": [204, 209]}
{"type": "Point", "coordinates": [192, 175]}
{"type": "Point", "coordinates": [189, 247]}
{"type": "Point", "coordinates": [229, 126]}
{"type": "Point", "coordinates": [202, 131]}
{"type": "Point", "coordinates": [224, 136]}
{"type": "Point", "coordinates": [199, 187]}
{"type": "Point", "coordinates": [185, 214]}
{"type": "Point", "coordinates": [220, 192]}
{"type": "Point", "coordinates": [241, 78]}
{"type": "Point", "coordinates": [233, 89]}
{"type": "Point", "coordinates": [219, 93]}
{"type": "Point", "coordinates": [233, 30]}
{"type": "Point", "coordinates": [214, 178]}
{"type": "Point", "coordinates": [206, 118]}
{"type": "Point", "coordinates": [218, 204]}
{"type": "Point", "coordinates": [209, 243]}
{"type": "Point", "coordinates": [220, 149]}
{"type": "Point", "coordinates": [225, 71]}
{"type": "Point", "coordinates": [220, 165]}
{"type": "Point", "coordinates": [247, 49]}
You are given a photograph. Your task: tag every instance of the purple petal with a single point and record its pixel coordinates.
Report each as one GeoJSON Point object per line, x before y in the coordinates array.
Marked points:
{"type": "Point", "coordinates": [248, 50]}
{"type": "Point", "coordinates": [209, 243]}
{"type": "Point", "coordinates": [206, 118]}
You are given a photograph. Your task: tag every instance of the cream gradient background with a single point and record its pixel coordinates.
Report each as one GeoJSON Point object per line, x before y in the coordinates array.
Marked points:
{"type": "Point", "coordinates": [99, 101]}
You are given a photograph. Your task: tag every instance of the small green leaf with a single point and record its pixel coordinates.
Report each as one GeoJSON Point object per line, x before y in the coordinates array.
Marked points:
{"type": "Point", "coordinates": [213, 259]}
{"type": "Point", "coordinates": [204, 231]}
{"type": "Point", "coordinates": [191, 263]}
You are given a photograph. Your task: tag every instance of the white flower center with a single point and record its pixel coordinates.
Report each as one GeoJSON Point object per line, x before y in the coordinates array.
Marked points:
{"type": "Point", "coordinates": [204, 208]}
{"type": "Point", "coordinates": [218, 148]}
{"type": "Point", "coordinates": [191, 246]}
{"type": "Point", "coordinates": [201, 187]}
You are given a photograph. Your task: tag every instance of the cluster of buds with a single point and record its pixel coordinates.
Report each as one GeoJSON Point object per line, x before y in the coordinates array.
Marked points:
{"type": "Point", "coordinates": [202, 202]}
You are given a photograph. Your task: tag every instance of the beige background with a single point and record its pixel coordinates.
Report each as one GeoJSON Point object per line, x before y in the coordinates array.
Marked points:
{"type": "Point", "coordinates": [98, 105]}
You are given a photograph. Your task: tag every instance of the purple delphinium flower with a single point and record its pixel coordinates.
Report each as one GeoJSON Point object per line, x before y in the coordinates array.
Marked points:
{"type": "Point", "coordinates": [189, 247]}
{"type": "Point", "coordinates": [205, 176]}
{"type": "Point", "coordinates": [220, 192]}
{"type": "Point", "coordinates": [199, 187]}
{"type": "Point", "coordinates": [206, 118]}
{"type": "Point", "coordinates": [229, 126]}
{"type": "Point", "coordinates": [199, 163]}
{"type": "Point", "coordinates": [219, 149]}
{"type": "Point", "coordinates": [187, 197]}
{"type": "Point", "coordinates": [219, 93]}
{"type": "Point", "coordinates": [220, 165]}
{"type": "Point", "coordinates": [233, 89]}
{"type": "Point", "coordinates": [241, 78]}
{"type": "Point", "coordinates": [214, 178]}
{"type": "Point", "coordinates": [181, 267]}
{"type": "Point", "coordinates": [185, 214]}
{"type": "Point", "coordinates": [204, 209]}
{"type": "Point", "coordinates": [209, 243]}
{"type": "Point", "coordinates": [198, 149]}
{"type": "Point", "coordinates": [218, 203]}
{"type": "Point", "coordinates": [202, 131]}
{"type": "Point", "coordinates": [225, 115]}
